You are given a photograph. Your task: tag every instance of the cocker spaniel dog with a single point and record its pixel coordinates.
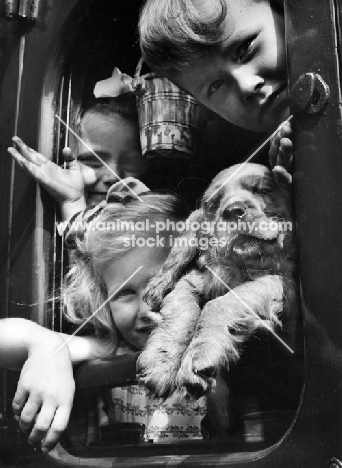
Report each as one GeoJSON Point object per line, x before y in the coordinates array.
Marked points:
{"type": "Point", "coordinates": [228, 275]}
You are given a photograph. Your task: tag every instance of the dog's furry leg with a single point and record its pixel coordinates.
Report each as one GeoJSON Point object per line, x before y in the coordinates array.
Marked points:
{"type": "Point", "coordinates": [160, 360]}
{"type": "Point", "coordinates": [182, 252]}
{"type": "Point", "coordinates": [225, 323]}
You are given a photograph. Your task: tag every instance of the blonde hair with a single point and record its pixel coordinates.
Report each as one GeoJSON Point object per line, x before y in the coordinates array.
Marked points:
{"type": "Point", "coordinates": [84, 291]}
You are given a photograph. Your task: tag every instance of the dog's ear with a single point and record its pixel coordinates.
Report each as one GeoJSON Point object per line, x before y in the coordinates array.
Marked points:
{"type": "Point", "coordinates": [282, 177]}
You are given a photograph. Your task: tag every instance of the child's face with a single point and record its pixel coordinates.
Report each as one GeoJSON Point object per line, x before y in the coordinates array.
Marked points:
{"type": "Point", "coordinates": [129, 311]}
{"type": "Point", "coordinates": [244, 79]}
{"type": "Point", "coordinates": [116, 141]}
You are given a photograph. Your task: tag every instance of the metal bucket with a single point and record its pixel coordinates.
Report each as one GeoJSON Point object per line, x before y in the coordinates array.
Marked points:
{"type": "Point", "coordinates": [171, 121]}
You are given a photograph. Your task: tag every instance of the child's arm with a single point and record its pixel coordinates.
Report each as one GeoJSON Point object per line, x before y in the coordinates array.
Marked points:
{"type": "Point", "coordinates": [45, 391]}
{"type": "Point", "coordinates": [87, 348]}
{"type": "Point", "coordinates": [66, 186]}
{"type": "Point", "coordinates": [281, 151]}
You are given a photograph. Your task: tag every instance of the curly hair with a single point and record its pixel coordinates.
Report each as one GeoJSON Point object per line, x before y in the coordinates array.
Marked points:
{"type": "Point", "coordinates": [84, 290]}
{"type": "Point", "coordinates": [174, 34]}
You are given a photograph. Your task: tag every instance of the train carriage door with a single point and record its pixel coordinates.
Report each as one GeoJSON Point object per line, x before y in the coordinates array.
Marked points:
{"type": "Point", "coordinates": [313, 30]}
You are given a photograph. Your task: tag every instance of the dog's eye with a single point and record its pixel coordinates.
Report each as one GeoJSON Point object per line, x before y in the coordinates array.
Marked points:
{"type": "Point", "coordinates": [261, 190]}
{"type": "Point", "coordinates": [212, 206]}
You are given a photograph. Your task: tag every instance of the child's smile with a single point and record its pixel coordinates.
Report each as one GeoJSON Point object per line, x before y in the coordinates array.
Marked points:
{"type": "Point", "coordinates": [243, 79]}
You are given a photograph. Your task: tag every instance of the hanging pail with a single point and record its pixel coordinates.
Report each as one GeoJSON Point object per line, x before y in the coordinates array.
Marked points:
{"type": "Point", "coordinates": [171, 121]}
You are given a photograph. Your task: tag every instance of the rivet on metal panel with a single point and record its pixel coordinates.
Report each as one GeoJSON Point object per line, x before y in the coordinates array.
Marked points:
{"type": "Point", "coordinates": [334, 463]}
{"type": "Point", "coordinates": [310, 93]}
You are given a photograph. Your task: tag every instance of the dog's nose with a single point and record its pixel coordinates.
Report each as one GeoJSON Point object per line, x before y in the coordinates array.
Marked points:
{"type": "Point", "coordinates": [237, 210]}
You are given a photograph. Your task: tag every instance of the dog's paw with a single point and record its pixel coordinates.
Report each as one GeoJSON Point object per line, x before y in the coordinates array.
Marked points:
{"type": "Point", "coordinates": [158, 384]}
{"type": "Point", "coordinates": [197, 374]}
{"type": "Point", "coordinates": [276, 303]}
{"type": "Point", "coordinates": [276, 309]}
{"type": "Point", "coordinates": [157, 370]}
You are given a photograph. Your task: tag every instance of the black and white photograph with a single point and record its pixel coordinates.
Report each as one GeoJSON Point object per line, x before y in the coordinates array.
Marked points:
{"type": "Point", "coordinates": [170, 235]}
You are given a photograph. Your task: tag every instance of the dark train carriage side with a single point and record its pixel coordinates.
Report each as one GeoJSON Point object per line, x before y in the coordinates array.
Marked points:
{"type": "Point", "coordinates": [35, 58]}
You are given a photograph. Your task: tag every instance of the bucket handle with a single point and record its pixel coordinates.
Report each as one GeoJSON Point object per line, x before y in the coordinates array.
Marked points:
{"type": "Point", "coordinates": [137, 75]}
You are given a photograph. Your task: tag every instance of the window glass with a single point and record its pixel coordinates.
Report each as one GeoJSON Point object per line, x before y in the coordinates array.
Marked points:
{"type": "Point", "coordinates": [256, 400]}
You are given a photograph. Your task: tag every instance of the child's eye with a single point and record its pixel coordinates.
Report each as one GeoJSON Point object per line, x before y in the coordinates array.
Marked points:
{"type": "Point", "coordinates": [131, 167]}
{"type": "Point", "coordinates": [125, 293]}
{"type": "Point", "coordinates": [215, 86]}
{"type": "Point", "coordinates": [90, 162]}
{"type": "Point", "coordinates": [244, 49]}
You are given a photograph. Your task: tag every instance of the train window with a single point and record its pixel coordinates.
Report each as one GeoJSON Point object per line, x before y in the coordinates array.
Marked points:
{"type": "Point", "coordinates": [255, 402]}
{"type": "Point", "coordinates": [252, 414]}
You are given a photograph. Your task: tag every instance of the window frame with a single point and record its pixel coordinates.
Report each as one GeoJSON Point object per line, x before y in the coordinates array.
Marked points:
{"type": "Point", "coordinates": [314, 436]}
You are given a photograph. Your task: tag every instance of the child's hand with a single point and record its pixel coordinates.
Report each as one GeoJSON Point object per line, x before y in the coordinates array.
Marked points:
{"type": "Point", "coordinates": [45, 391]}
{"type": "Point", "coordinates": [281, 152]}
{"type": "Point", "coordinates": [66, 186]}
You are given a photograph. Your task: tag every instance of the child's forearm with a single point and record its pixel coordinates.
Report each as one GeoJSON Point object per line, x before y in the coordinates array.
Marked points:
{"type": "Point", "coordinates": [87, 348]}
{"type": "Point", "coordinates": [20, 337]}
